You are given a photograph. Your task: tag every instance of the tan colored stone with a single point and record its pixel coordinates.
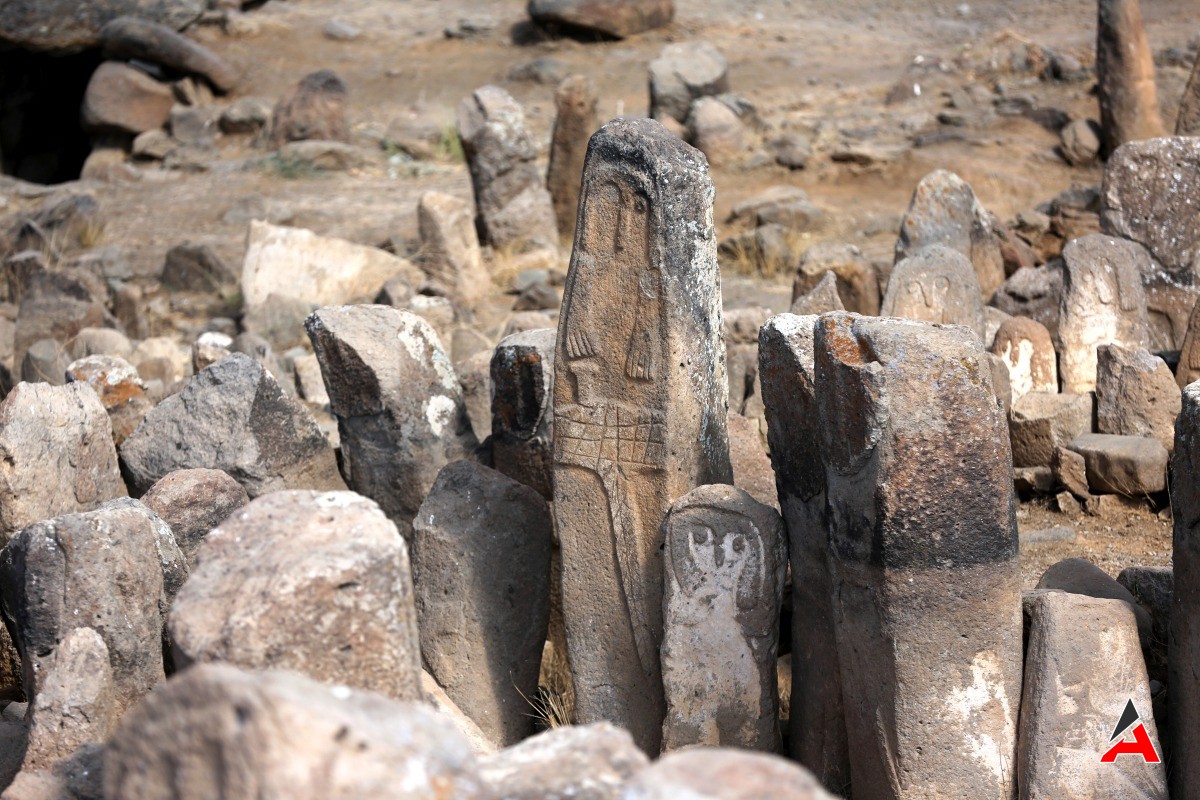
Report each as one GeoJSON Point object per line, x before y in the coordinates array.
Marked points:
{"type": "Point", "coordinates": [723, 774]}
{"type": "Point", "coordinates": [450, 252]}
{"type": "Point", "coordinates": [576, 121]}
{"type": "Point", "coordinates": [857, 283]}
{"type": "Point", "coordinates": [936, 284]}
{"type": "Point", "coordinates": [1136, 394]}
{"type": "Point", "coordinates": [314, 108]}
{"type": "Point", "coordinates": [1125, 76]}
{"type": "Point", "coordinates": [121, 98]}
{"type": "Point", "coordinates": [1028, 352]}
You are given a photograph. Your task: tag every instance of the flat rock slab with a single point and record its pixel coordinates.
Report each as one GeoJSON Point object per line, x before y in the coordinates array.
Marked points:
{"type": "Point", "coordinates": [724, 774]}
{"type": "Point", "coordinates": [1060, 533]}
{"type": "Point", "coordinates": [1128, 465]}
{"type": "Point", "coordinates": [585, 762]}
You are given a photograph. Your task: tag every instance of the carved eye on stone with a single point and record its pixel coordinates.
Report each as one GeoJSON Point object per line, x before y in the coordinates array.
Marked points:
{"type": "Point", "coordinates": [739, 544]}
{"type": "Point", "coordinates": [639, 204]}
{"type": "Point", "coordinates": [700, 536]}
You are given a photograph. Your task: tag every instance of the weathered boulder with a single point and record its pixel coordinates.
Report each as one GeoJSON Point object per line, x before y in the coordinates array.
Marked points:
{"type": "Point", "coordinates": [723, 774]}
{"type": "Point", "coordinates": [1136, 394]}
{"type": "Point", "coordinates": [481, 568]}
{"type": "Point", "coordinates": [58, 305]}
{"type": "Point", "coordinates": [1128, 465]}
{"type": "Point", "coordinates": [1080, 576]}
{"type": "Point", "coordinates": [615, 18]}
{"type": "Point", "coordinates": [682, 73]}
{"type": "Point", "coordinates": [316, 270]}
{"type": "Point", "coordinates": [196, 268]}
{"type": "Point", "coordinates": [574, 123]}
{"type": "Point", "coordinates": [398, 403]}
{"type": "Point", "coordinates": [1187, 121]}
{"type": "Point", "coordinates": [752, 471]}
{"type": "Point", "coordinates": [356, 625]}
{"type": "Point", "coordinates": [1102, 302]}
{"type": "Point", "coordinates": [585, 762]}
{"type": "Point", "coordinates": [56, 444]}
{"type": "Point", "coordinates": [63, 25]}
{"type": "Point", "coordinates": [718, 131]}
{"type": "Point", "coordinates": [857, 283]}
{"type": "Point", "coordinates": [1150, 195]}
{"type": "Point", "coordinates": [234, 417]}
{"type": "Point", "coordinates": [936, 284]}
{"type": "Point", "coordinates": [250, 735]}
{"type": "Point", "coordinates": [123, 99]}
{"type": "Point", "coordinates": [135, 38]}
{"type": "Point", "coordinates": [515, 210]}
{"type": "Point", "coordinates": [1080, 142]}
{"type": "Point", "coordinates": [945, 211]}
{"type": "Point", "coordinates": [1125, 76]}
{"type": "Point", "coordinates": [725, 560]}
{"type": "Point", "coordinates": [114, 570]}
{"type": "Point", "coordinates": [821, 298]}
{"type": "Point", "coordinates": [313, 109]}
{"type": "Point", "coordinates": [1078, 641]}
{"type": "Point", "coordinates": [76, 703]}
{"type": "Point", "coordinates": [193, 502]}
{"type": "Point", "coordinates": [1033, 292]}
{"type": "Point", "coordinates": [640, 407]}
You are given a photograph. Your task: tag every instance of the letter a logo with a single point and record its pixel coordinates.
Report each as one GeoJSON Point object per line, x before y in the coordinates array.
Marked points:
{"type": "Point", "coordinates": [1140, 746]}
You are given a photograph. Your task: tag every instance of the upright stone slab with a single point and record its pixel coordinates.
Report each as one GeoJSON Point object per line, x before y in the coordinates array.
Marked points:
{"type": "Point", "coordinates": [318, 583]}
{"type": "Point", "coordinates": [522, 414]}
{"type": "Point", "coordinates": [923, 544]}
{"type": "Point", "coordinates": [1125, 76]}
{"type": "Point", "coordinates": [1136, 394]}
{"type": "Point", "coordinates": [577, 120]}
{"type": "Point", "coordinates": [56, 445]}
{"type": "Point", "coordinates": [481, 569]}
{"type": "Point", "coordinates": [936, 284]}
{"type": "Point", "coordinates": [515, 211]}
{"type": "Point", "coordinates": [1083, 665]}
{"type": "Point", "coordinates": [218, 731]}
{"type": "Point", "coordinates": [944, 210]}
{"type": "Point", "coordinates": [398, 402]}
{"type": "Point", "coordinates": [1102, 302]}
{"type": "Point", "coordinates": [1027, 350]}
{"type": "Point", "coordinates": [1187, 121]}
{"type": "Point", "coordinates": [1151, 194]}
{"type": "Point", "coordinates": [450, 252]}
{"type": "Point", "coordinates": [1184, 647]}
{"type": "Point", "coordinates": [725, 563]}
{"type": "Point", "coordinates": [114, 570]}
{"type": "Point", "coordinates": [786, 373]}
{"type": "Point", "coordinates": [640, 404]}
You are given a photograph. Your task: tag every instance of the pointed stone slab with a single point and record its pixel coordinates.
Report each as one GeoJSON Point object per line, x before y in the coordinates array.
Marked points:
{"type": "Point", "coordinates": [786, 373]}
{"type": "Point", "coordinates": [1125, 76]}
{"type": "Point", "coordinates": [936, 284]}
{"type": "Point", "coordinates": [398, 402]}
{"type": "Point", "coordinates": [726, 560]}
{"type": "Point", "coordinates": [923, 544]}
{"type": "Point", "coordinates": [640, 405]}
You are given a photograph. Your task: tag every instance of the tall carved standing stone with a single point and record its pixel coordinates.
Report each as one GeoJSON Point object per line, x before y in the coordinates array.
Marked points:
{"type": "Point", "coordinates": [576, 101]}
{"type": "Point", "coordinates": [1125, 76]}
{"type": "Point", "coordinates": [923, 549]}
{"type": "Point", "coordinates": [936, 284]}
{"type": "Point", "coordinates": [640, 404]}
{"type": "Point", "coordinates": [786, 374]}
{"type": "Point", "coordinates": [725, 565]}
{"type": "Point", "coordinates": [514, 207]}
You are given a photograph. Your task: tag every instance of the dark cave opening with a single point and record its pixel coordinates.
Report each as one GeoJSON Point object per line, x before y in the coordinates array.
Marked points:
{"type": "Point", "coordinates": [41, 137]}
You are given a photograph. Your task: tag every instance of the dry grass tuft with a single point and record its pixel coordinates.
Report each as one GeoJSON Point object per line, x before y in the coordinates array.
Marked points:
{"type": "Point", "coordinates": [554, 707]}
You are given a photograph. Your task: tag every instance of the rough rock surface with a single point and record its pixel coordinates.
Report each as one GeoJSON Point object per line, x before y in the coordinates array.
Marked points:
{"type": "Point", "coordinates": [136, 38]}
{"type": "Point", "coordinates": [245, 735]}
{"type": "Point", "coordinates": [857, 283]}
{"type": "Point", "coordinates": [313, 109]}
{"type": "Point", "coordinates": [1125, 76]}
{"type": "Point", "coordinates": [122, 99]}
{"type": "Point", "coordinates": [935, 284]}
{"type": "Point", "coordinates": [1041, 422]}
{"type": "Point", "coordinates": [522, 376]}
{"type": "Point", "coordinates": [57, 448]}
{"type": "Point", "coordinates": [233, 417]}
{"type": "Point", "coordinates": [616, 18]}
{"type": "Point", "coordinates": [59, 25]}
{"type": "Point", "coordinates": [193, 502]}
{"type": "Point", "coordinates": [398, 402]}
{"type": "Point", "coordinates": [60, 574]}
{"type": "Point", "coordinates": [1136, 394]}
{"type": "Point", "coordinates": [1028, 354]}
{"type": "Point", "coordinates": [682, 73]}
{"type": "Point", "coordinates": [724, 774]}
{"type": "Point", "coordinates": [1184, 647]}
{"type": "Point", "coordinates": [1128, 465]}
{"type": "Point", "coordinates": [338, 553]}
{"type": "Point", "coordinates": [585, 762]}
